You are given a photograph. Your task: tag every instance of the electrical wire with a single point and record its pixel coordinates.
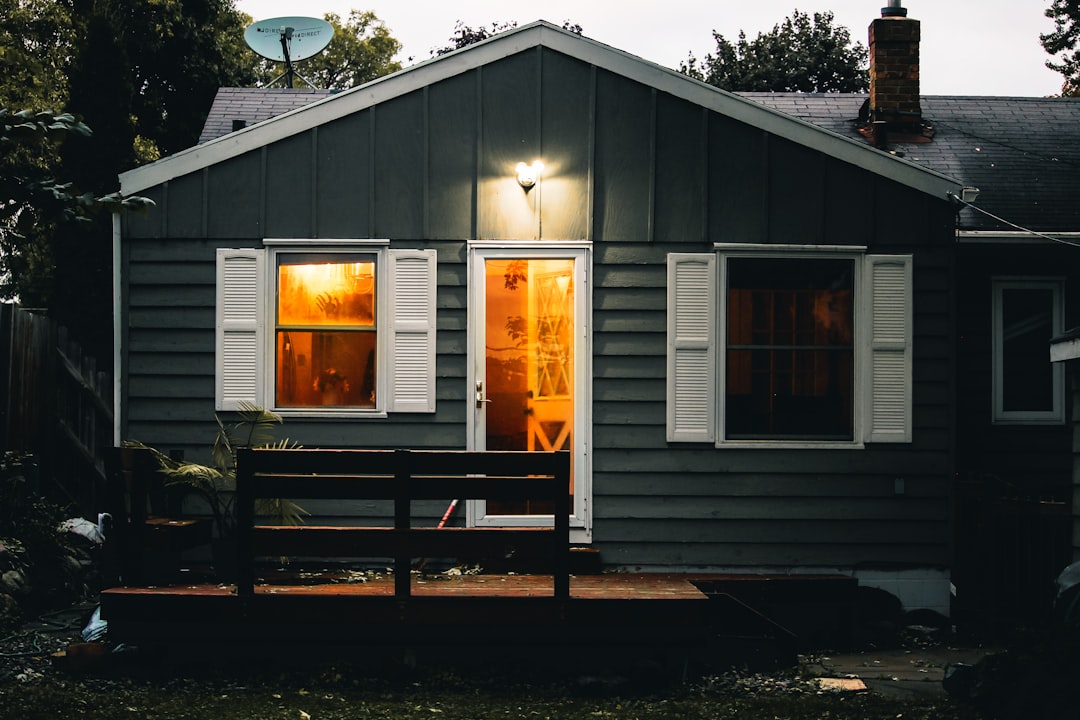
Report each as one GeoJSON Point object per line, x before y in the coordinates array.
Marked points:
{"type": "Point", "coordinates": [1013, 225]}
{"type": "Point", "coordinates": [1000, 143]}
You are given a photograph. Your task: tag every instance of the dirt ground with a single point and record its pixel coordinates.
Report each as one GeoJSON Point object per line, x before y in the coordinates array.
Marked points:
{"type": "Point", "coordinates": [45, 672]}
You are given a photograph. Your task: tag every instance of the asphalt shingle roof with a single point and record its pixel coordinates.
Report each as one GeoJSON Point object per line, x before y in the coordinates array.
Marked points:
{"type": "Point", "coordinates": [1022, 153]}
{"type": "Point", "coordinates": [253, 105]}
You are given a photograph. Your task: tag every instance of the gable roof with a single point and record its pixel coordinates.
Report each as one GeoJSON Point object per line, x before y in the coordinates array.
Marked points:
{"type": "Point", "coordinates": [253, 105]}
{"type": "Point", "coordinates": [1022, 153]}
{"type": "Point", "coordinates": [511, 42]}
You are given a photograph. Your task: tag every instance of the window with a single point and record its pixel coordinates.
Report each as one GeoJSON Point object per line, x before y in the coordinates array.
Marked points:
{"type": "Point", "coordinates": [786, 346]}
{"type": "Point", "coordinates": [1028, 388]}
{"type": "Point", "coordinates": [349, 328]}
{"type": "Point", "coordinates": [325, 346]}
{"type": "Point", "coordinates": [789, 349]}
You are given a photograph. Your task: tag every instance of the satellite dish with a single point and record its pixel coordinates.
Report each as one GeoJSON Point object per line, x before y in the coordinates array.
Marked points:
{"type": "Point", "coordinates": [286, 39]}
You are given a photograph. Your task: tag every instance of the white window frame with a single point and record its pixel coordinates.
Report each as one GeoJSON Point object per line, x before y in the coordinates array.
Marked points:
{"type": "Point", "coordinates": [697, 341]}
{"type": "Point", "coordinates": [405, 326]}
{"type": "Point", "coordinates": [1001, 416]}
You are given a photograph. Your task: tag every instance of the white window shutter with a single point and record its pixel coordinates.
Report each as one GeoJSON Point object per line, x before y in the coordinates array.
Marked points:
{"type": "Point", "coordinates": [691, 347]}
{"type": "Point", "coordinates": [888, 286]}
{"type": "Point", "coordinates": [411, 386]}
{"type": "Point", "coordinates": [239, 328]}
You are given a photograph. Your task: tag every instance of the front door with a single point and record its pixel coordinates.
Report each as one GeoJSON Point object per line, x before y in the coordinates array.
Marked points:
{"type": "Point", "coordinates": [529, 365]}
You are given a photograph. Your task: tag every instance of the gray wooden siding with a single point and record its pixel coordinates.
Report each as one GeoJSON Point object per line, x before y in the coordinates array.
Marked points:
{"type": "Point", "coordinates": [1023, 460]}
{"type": "Point", "coordinates": [640, 174]}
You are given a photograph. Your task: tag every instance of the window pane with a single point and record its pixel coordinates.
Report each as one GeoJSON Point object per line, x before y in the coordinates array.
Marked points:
{"type": "Point", "coordinates": [1027, 326]}
{"type": "Point", "coordinates": [325, 369]}
{"type": "Point", "coordinates": [790, 353]}
{"type": "Point", "coordinates": [327, 292]}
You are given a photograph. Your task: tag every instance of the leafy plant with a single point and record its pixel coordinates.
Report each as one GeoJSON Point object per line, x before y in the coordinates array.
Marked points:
{"type": "Point", "coordinates": [215, 484]}
{"type": "Point", "coordinates": [32, 543]}
{"type": "Point", "coordinates": [331, 379]}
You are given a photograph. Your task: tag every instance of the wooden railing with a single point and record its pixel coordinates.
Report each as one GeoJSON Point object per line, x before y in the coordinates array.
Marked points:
{"type": "Point", "coordinates": [402, 476]}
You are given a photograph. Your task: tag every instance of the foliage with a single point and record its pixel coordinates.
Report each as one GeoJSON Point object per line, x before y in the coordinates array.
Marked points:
{"type": "Point", "coordinates": [802, 54]}
{"type": "Point", "coordinates": [216, 483]}
{"type": "Point", "coordinates": [152, 69]}
{"type": "Point", "coordinates": [465, 35]}
{"type": "Point", "coordinates": [1064, 43]}
{"type": "Point", "coordinates": [30, 533]}
{"type": "Point", "coordinates": [362, 49]}
{"type": "Point", "coordinates": [31, 198]}
{"type": "Point", "coordinates": [32, 72]}
{"type": "Point", "coordinates": [143, 74]}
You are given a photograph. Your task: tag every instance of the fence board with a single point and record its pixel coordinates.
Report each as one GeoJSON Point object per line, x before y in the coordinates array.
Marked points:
{"type": "Point", "coordinates": [59, 405]}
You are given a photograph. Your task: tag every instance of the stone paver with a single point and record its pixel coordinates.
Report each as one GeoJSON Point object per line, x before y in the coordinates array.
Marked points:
{"type": "Point", "coordinates": [897, 671]}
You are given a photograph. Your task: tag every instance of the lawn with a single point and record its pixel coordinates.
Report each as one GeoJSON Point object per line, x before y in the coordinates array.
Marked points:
{"type": "Point", "coordinates": [159, 690]}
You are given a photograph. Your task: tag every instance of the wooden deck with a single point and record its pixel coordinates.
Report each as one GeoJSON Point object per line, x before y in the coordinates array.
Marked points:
{"type": "Point", "coordinates": [604, 608]}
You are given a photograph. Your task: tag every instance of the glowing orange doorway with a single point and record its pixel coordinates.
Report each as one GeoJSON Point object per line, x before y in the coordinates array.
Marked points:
{"type": "Point", "coordinates": [528, 375]}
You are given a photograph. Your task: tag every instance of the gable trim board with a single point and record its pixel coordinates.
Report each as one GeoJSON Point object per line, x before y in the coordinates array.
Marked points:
{"type": "Point", "coordinates": [539, 34]}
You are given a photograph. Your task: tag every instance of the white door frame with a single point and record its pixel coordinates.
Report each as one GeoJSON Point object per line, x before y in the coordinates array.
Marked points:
{"type": "Point", "coordinates": [580, 252]}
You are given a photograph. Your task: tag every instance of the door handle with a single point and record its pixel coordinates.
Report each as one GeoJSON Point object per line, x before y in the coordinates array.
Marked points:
{"type": "Point", "coordinates": [480, 399]}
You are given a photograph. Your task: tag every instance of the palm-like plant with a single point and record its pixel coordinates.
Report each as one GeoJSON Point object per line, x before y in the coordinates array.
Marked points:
{"type": "Point", "coordinates": [216, 483]}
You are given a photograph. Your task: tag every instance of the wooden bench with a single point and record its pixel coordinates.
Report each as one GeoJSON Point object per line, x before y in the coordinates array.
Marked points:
{"type": "Point", "coordinates": [403, 477]}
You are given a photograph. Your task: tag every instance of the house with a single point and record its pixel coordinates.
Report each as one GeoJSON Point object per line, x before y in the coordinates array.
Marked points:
{"type": "Point", "coordinates": [1014, 290]}
{"type": "Point", "coordinates": [740, 323]}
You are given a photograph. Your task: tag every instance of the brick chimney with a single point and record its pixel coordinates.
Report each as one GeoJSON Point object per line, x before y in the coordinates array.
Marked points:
{"type": "Point", "coordinates": [894, 70]}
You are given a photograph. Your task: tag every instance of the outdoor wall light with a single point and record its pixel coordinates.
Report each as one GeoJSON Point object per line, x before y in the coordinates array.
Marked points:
{"type": "Point", "coordinates": [527, 175]}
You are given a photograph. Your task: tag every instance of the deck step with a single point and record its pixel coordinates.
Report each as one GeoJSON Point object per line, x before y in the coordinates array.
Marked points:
{"type": "Point", "coordinates": [171, 534]}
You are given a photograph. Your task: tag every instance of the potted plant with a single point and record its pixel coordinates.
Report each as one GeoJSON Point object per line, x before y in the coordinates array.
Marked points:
{"type": "Point", "coordinates": [215, 484]}
{"type": "Point", "coordinates": [331, 384]}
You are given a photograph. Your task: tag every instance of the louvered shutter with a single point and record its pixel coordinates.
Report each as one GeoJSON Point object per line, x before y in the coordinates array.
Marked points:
{"type": "Point", "coordinates": [888, 286]}
{"type": "Point", "coordinates": [691, 347]}
{"type": "Point", "coordinates": [411, 384]}
{"type": "Point", "coordinates": [239, 328]}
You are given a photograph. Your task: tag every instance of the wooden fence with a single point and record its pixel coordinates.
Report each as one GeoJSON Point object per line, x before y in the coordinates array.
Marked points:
{"type": "Point", "coordinates": [58, 406]}
{"type": "Point", "coordinates": [1010, 548]}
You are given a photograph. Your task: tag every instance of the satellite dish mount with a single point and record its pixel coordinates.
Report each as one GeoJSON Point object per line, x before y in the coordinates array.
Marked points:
{"type": "Point", "coordinates": [288, 39]}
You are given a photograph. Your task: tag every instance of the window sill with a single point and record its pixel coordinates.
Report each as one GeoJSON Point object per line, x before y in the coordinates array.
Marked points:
{"type": "Point", "coordinates": [323, 414]}
{"type": "Point", "coordinates": [1029, 421]}
{"type": "Point", "coordinates": [787, 445]}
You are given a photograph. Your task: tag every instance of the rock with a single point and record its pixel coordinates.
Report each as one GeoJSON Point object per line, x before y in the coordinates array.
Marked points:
{"type": "Point", "coordinates": [14, 583]}
{"type": "Point", "coordinates": [10, 615]}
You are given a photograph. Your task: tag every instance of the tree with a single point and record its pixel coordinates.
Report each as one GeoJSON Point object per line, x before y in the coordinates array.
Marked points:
{"type": "Point", "coordinates": [165, 60]}
{"type": "Point", "coordinates": [31, 198]}
{"type": "Point", "coordinates": [145, 73]}
{"type": "Point", "coordinates": [362, 49]}
{"type": "Point", "coordinates": [802, 54]}
{"type": "Point", "coordinates": [34, 38]}
{"type": "Point", "coordinates": [1064, 43]}
{"type": "Point", "coordinates": [465, 35]}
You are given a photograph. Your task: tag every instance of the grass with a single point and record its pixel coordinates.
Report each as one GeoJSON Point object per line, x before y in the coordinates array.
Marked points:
{"type": "Point", "coordinates": [344, 691]}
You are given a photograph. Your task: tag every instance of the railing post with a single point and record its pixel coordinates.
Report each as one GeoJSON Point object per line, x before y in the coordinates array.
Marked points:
{"type": "Point", "coordinates": [562, 526]}
{"type": "Point", "coordinates": [402, 513]}
{"type": "Point", "coordinates": [245, 522]}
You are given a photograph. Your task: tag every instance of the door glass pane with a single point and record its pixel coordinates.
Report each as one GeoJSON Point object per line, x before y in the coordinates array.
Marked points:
{"type": "Point", "coordinates": [529, 353]}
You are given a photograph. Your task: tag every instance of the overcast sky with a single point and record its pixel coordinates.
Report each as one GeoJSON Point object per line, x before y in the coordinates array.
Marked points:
{"type": "Point", "coordinates": [969, 47]}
